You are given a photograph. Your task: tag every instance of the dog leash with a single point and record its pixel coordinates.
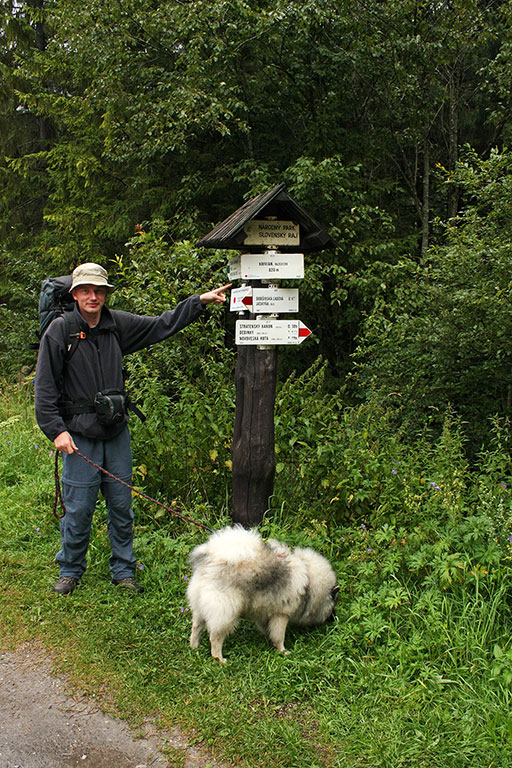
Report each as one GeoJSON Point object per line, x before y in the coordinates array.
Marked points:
{"type": "Point", "coordinates": [58, 493]}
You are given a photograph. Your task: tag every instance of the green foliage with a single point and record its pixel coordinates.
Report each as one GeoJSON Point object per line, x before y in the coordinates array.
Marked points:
{"type": "Point", "coordinates": [442, 335]}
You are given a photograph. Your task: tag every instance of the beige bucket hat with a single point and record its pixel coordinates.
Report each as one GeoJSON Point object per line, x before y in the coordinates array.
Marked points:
{"type": "Point", "coordinates": [91, 274]}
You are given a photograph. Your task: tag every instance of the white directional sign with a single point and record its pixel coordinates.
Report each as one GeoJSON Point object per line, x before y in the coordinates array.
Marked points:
{"type": "Point", "coordinates": [252, 332]}
{"type": "Point", "coordinates": [264, 266]}
{"type": "Point", "coordinates": [241, 299]}
{"type": "Point", "coordinates": [273, 233]}
{"type": "Point", "coordinates": [275, 300]}
{"type": "Point", "coordinates": [264, 300]}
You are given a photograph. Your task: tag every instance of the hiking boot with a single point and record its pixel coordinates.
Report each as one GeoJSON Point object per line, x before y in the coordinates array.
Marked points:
{"type": "Point", "coordinates": [65, 585]}
{"type": "Point", "coordinates": [129, 583]}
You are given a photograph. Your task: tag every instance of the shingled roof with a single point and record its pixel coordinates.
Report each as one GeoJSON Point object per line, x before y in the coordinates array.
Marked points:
{"type": "Point", "coordinates": [275, 202]}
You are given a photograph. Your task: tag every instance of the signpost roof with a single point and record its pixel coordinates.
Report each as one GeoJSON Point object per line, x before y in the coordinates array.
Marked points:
{"type": "Point", "coordinates": [277, 203]}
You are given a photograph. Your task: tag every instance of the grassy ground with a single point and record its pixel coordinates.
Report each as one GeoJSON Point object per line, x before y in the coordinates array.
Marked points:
{"type": "Point", "coordinates": [415, 673]}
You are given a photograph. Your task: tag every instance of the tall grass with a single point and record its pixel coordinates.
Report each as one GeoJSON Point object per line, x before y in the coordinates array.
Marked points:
{"type": "Point", "coordinates": [415, 672]}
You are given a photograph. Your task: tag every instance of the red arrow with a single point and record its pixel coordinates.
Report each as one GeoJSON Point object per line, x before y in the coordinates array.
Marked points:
{"type": "Point", "coordinates": [303, 330]}
{"type": "Point", "coordinates": [247, 300]}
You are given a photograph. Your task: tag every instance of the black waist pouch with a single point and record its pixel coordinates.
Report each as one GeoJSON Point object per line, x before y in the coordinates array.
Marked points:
{"type": "Point", "coordinates": [110, 407]}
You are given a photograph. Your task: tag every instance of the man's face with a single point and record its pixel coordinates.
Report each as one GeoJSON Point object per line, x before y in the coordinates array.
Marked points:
{"type": "Point", "coordinates": [90, 300]}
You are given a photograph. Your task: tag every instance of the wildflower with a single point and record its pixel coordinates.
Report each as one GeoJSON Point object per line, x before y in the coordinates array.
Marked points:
{"type": "Point", "coordinates": [394, 472]}
{"type": "Point", "coordinates": [182, 609]}
{"type": "Point", "coordinates": [363, 526]}
{"type": "Point", "coordinates": [437, 488]}
{"type": "Point", "coordinates": [369, 549]}
{"type": "Point", "coordinates": [503, 485]}
{"type": "Point", "coordinates": [37, 447]}
{"type": "Point", "coordinates": [141, 566]}
{"type": "Point", "coordinates": [510, 538]}
{"type": "Point", "coordinates": [185, 578]}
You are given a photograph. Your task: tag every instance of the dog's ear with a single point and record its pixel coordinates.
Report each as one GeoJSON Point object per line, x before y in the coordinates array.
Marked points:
{"type": "Point", "coordinates": [335, 593]}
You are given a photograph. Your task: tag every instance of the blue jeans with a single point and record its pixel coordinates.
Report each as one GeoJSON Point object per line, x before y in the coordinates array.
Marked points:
{"type": "Point", "coordinates": [80, 485]}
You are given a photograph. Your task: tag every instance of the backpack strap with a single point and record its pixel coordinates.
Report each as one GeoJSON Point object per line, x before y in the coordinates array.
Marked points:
{"type": "Point", "coordinates": [74, 334]}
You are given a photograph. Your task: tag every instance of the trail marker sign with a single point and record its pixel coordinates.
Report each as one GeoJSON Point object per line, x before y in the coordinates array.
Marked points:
{"type": "Point", "coordinates": [264, 300]}
{"type": "Point", "coordinates": [271, 331]}
{"type": "Point", "coordinates": [274, 234]}
{"type": "Point", "coordinates": [241, 299]}
{"type": "Point", "coordinates": [266, 266]}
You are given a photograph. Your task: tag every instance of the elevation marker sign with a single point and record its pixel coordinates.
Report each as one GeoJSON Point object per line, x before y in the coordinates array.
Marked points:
{"type": "Point", "coordinates": [266, 266]}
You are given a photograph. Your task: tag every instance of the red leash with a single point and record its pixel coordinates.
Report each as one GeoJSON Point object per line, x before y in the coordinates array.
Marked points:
{"type": "Point", "coordinates": [58, 493]}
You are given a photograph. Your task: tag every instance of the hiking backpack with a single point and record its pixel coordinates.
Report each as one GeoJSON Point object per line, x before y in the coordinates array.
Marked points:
{"type": "Point", "coordinates": [55, 299]}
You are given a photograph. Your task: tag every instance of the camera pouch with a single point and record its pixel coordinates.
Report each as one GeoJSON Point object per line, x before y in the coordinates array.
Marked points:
{"type": "Point", "coordinates": [110, 407]}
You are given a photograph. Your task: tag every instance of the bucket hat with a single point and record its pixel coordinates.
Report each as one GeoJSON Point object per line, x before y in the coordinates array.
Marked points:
{"type": "Point", "coordinates": [90, 274]}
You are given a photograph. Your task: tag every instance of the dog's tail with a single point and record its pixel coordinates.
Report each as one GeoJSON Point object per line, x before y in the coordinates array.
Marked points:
{"type": "Point", "coordinates": [232, 544]}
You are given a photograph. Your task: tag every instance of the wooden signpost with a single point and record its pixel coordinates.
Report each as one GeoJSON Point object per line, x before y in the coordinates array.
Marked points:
{"type": "Point", "coordinates": [272, 232]}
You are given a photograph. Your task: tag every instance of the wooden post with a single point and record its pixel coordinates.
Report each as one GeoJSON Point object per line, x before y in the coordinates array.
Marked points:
{"type": "Point", "coordinates": [252, 449]}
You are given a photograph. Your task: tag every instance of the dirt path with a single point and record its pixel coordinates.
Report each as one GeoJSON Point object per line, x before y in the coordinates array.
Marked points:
{"type": "Point", "coordinates": [43, 726]}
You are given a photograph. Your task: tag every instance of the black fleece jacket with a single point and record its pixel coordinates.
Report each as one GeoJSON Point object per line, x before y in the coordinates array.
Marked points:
{"type": "Point", "coordinates": [96, 364]}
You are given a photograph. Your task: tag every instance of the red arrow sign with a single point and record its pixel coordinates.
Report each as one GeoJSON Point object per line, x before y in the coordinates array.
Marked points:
{"type": "Point", "coordinates": [303, 330]}
{"type": "Point", "coordinates": [241, 296]}
{"type": "Point", "coordinates": [247, 300]}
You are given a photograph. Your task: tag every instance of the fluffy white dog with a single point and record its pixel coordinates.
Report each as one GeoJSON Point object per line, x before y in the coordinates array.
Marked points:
{"type": "Point", "coordinates": [236, 573]}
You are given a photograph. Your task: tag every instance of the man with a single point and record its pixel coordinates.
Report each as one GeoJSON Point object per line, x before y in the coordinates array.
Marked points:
{"type": "Point", "coordinates": [80, 405]}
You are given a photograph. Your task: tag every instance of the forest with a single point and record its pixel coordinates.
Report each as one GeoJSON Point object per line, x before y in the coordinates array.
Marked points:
{"type": "Point", "coordinates": [128, 130]}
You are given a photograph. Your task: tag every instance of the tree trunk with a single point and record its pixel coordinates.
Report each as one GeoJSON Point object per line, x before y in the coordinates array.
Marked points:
{"type": "Point", "coordinates": [425, 208]}
{"type": "Point", "coordinates": [252, 449]}
{"type": "Point", "coordinates": [453, 142]}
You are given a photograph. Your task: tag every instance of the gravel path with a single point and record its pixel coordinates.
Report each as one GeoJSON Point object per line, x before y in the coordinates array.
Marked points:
{"type": "Point", "coordinates": [44, 726]}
